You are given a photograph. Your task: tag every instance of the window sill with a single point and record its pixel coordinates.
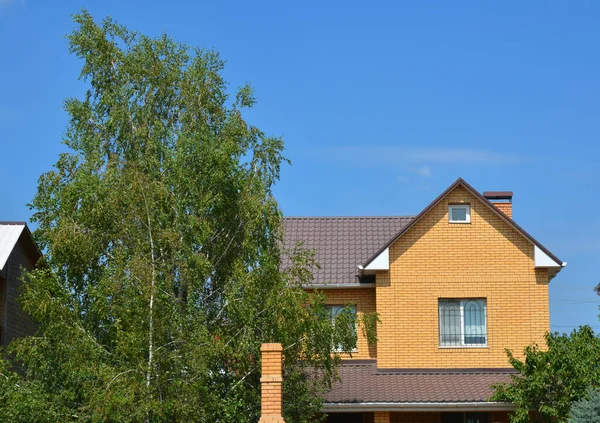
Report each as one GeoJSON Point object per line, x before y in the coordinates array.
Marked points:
{"type": "Point", "coordinates": [446, 347]}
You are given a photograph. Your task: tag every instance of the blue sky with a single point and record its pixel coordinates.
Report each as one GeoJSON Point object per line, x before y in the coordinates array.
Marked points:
{"type": "Point", "coordinates": [381, 105]}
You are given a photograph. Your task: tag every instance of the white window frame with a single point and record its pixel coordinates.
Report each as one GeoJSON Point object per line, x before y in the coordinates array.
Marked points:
{"type": "Point", "coordinates": [452, 207]}
{"type": "Point", "coordinates": [333, 310]}
{"type": "Point", "coordinates": [463, 301]}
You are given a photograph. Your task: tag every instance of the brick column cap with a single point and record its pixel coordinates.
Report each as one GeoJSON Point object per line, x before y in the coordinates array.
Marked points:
{"type": "Point", "coordinates": [271, 347]}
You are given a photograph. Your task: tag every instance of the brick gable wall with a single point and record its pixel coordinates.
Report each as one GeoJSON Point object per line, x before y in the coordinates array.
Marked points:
{"type": "Point", "coordinates": [435, 259]}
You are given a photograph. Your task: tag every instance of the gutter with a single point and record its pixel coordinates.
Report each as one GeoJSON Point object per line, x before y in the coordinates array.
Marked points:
{"type": "Point", "coordinates": [339, 285]}
{"type": "Point", "coordinates": [361, 270]}
{"type": "Point", "coordinates": [333, 407]}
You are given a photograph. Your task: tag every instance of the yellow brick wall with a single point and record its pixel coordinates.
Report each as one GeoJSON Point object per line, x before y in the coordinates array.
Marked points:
{"type": "Point", "coordinates": [505, 208]}
{"type": "Point", "coordinates": [436, 259]}
{"type": "Point", "coordinates": [433, 417]}
{"type": "Point", "coordinates": [381, 417]}
{"type": "Point", "coordinates": [364, 298]}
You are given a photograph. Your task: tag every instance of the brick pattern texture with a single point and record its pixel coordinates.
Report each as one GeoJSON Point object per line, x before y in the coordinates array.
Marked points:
{"type": "Point", "coordinates": [432, 417]}
{"type": "Point", "coordinates": [436, 259]}
{"type": "Point", "coordinates": [271, 381]}
{"type": "Point", "coordinates": [381, 417]}
{"type": "Point", "coordinates": [505, 208]}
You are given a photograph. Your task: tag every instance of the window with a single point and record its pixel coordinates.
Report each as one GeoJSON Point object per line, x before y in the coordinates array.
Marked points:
{"type": "Point", "coordinates": [462, 322]}
{"type": "Point", "coordinates": [336, 316]}
{"type": "Point", "coordinates": [458, 417]}
{"type": "Point", "coordinates": [459, 213]}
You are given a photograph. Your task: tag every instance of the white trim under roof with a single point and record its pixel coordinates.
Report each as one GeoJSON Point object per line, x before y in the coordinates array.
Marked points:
{"type": "Point", "coordinates": [541, 259]}
{"type": "Point", "coordinates": [381, 262]}
{"type": "Point", "coordinates": [333, 407]}
{"type": "Point", "coordinates": [9, 235]}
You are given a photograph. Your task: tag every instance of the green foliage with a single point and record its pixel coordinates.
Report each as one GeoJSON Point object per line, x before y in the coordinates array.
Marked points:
{"type": "Point", "coordinates": [162, 253]}
{"type": "Point", "coordinates": [597, 289]}
{"type": "Point", "coordinates": [587, 409]}
{"type": "Point", "coordinates": [369, 326]}
{"type": "Point", "coordinates": [549, 380]}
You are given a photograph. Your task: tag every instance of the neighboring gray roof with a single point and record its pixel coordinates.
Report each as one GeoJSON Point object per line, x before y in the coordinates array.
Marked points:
{"type": "Point", "coordinates": [341, 243]}
{"type": "Point", "coordinates": [9, 235]}
{"type": "Point", "coordinates": [362, 382]}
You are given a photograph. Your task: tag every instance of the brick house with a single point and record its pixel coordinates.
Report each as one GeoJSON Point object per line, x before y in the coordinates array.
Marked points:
{"type": "Point", "coordinates": [17, 251]}
{"type": "Point", "coordinates": [454, 287]}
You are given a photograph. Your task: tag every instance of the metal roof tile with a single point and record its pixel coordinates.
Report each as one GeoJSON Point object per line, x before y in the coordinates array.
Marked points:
{"type": "Point", "coordinates": [363, 383]}
{"type": "Point", "coordinates": [341, 243]}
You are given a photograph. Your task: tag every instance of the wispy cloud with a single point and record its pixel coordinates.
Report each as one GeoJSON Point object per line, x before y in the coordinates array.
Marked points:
{"type": "Point", "coordinates": [407, 156]}
{"type": "Point", "coordinates": [5, 3]}
{"type": "Point", "coordinates": [417, 174]}
{"type": "Point", "coordinates": [422, 171]}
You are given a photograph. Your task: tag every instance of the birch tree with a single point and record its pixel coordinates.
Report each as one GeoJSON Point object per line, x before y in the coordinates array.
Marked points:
{"type": "Point", "coordinates": [162, 268]}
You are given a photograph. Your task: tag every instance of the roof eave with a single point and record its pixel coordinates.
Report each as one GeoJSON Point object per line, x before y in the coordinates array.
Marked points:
{"type": "Point", "coordinates": [339, 285]}
{"type": "Point", "coordinates": [332, 407]}
{"type": "Point", "coordinates": [414, 221]}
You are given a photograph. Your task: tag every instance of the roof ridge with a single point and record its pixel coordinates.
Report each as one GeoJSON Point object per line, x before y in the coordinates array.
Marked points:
{"type": "Point", "coordinates": [8, 222]}
{"type": "Point", "coordinates": [486, 202]}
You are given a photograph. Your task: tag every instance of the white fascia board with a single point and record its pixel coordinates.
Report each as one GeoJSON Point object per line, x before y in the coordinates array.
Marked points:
{"type": "Point", "coordinates": [418, 406]}
{"type": "Point", "coordinates": [381, 262]}
{"type": "Point", "coordinates": [9, 235]}
{"type": "Point", "coordinates": [541, 259]}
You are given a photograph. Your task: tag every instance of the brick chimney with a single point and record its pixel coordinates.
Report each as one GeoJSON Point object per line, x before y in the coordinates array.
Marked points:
{"type": "Point", "coordinates": [271, 380]}
{"type": "Point", "coordinates": [502, 200]}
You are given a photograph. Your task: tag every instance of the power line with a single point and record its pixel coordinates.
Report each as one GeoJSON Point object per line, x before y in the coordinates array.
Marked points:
{"type": "Point", "coordinates": [575, 300]}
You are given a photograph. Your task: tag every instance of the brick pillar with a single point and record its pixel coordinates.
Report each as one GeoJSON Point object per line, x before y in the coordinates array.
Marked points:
{"type": "Point", "coordinates": [505, 208]}
{"type": "Point", "coordinates": [502, 200]}
{"type": "Point", "coordinates": [271, 380]}
{"type": "Point", "coordinates": [381, 417]}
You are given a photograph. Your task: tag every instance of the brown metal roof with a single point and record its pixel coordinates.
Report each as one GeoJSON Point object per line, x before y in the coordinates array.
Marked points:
{"type": "Point", "coordinates": [362, 383]}
{"type": "Point", "coordinates": [341, 243]}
